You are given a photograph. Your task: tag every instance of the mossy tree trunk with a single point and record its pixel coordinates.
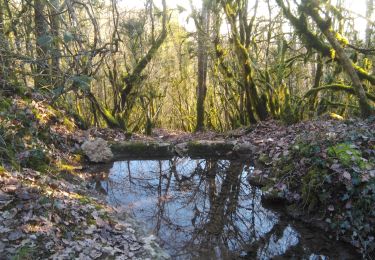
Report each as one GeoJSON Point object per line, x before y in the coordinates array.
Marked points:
{"type": "Point", "coordinates": [202, 24]}
{"type": "Point", "coordinates": [317, 78]}
{"type": "Point", "coordinates": [54, 18]}
{"type": "Point", "coordinates": [237, 16]}
{"type": "Point", "coordinates": [311, 8]}
{"type": "Point", "coordinates": [311, 40]}
{"type": "Point", "coordinates": [131, 80]}
{"type": "Point", "coordinates": [4, 61]}
{"type": "Point", "coordinates": [41, 28]}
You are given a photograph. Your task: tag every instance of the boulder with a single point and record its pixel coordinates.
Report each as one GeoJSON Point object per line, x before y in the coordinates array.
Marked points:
{"type": "Point", "coordinates": [97, 150]}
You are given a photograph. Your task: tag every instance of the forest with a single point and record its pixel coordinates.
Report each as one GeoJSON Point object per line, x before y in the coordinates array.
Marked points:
{"type": "Point", "coordinates": [203, 92]}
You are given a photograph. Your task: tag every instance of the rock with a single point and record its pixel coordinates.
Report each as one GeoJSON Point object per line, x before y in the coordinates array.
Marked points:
{"type": "Point", "coordinates": [108, 250]}
{"type": "Point", "coordinates": [181, 149]}
{"type": "Point", "coordinates": [134, 247]}
{"type": "Point", "coordinates": [245, 148]}
{"type": "Point", "coordinates": [97, 150]}
{"type": "Point", "coordinates": [95, 254]}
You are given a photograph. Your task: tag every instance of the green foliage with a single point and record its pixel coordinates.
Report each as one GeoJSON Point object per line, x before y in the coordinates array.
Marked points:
{"type": "Point", "coordinates": [289, 115]}
{"type": "Point", "coordinates": [82, 82]}
{"type": "Point", "coordinates": [313, 191]}
{"type": "Point", "coordinates": [289, 109]}
{"type": "Point", "coordinates": [335, 178]}
{"type": "Point", "coordinates": [68, 37]}
{"type": "Point", "coordinates": [5, 105]}
{"type": "Point", "coordinates": [346, 153]}
{"type": "Point", "coordinates": [45, 40]}
{"type": "Point", "coordinates": [36, 159]}
{"type": "Point", "coordinates": [25, 252]}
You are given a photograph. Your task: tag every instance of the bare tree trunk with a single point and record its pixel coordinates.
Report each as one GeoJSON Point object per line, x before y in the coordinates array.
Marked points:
{"type": "Point", "coordinates": [369, 12]}
{"type": "Point", "coordinates": [4, 64]}
{"type": "Point", "coordinates": [55, 27]}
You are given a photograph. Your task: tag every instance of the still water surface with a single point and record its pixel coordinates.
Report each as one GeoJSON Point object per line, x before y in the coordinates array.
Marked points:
{"type": "Point", "coordinates": [206, 209]}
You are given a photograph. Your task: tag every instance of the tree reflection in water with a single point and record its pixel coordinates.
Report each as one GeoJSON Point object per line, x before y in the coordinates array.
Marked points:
{"type": "Point", "coordinates": [201, 208]}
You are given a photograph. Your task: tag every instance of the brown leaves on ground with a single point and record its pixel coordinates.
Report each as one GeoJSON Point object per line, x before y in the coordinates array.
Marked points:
{"type": "Point", "coordinates": [42, 217]}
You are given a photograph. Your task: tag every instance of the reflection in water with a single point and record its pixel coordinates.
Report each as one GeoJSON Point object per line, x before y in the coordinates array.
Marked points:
{"type": "Point", "coordinates": [203, 209]}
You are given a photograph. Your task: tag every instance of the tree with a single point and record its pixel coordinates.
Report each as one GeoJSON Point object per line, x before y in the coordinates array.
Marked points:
{"type": "Point", "coordinates": [42, 42]}
{"type": "Point", "coordinates": [135, 77]}
{"type": "Point", "coordinates": [334, 51]}
{"type": "Point", "coordinates": [311, 8]}
{"type": "Point", "coordinates": [370, 23]}
{"type": "Point", "coordinates": [202, 23]}
{"type": "Point", "coordinates": [241, 30]}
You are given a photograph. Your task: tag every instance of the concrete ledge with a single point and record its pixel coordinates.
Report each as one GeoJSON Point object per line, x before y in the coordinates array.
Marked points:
{"type": "Point", "coordinates": [193, 149]}
{"type": "Point", "coordinates": [137, 149]}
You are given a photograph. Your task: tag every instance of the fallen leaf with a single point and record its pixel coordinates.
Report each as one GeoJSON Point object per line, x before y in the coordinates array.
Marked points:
{"type": "Point", "coordinates": [10, 188]}
{"type": "Point", "coordinates": [90, 230]}
{"type": "Point", "coordinates": [365, 177]}
{"type": "Point", "coordinates": [24, 195]}
{"type": "Point", "coordinates": [347, 175]}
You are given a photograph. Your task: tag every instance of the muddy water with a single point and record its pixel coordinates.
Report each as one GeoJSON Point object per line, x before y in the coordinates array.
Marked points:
{"type": "Point", "coordinates": [206, 209]}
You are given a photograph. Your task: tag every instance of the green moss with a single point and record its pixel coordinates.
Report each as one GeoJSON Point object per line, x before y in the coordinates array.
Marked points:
{"type": "Point", "coordinates": [105, 216]}
{"type": "Point", "coordinates": [265, 159]}
{"type": "Point", "coordinates": [68, 123]}
{"type": "Point", "coordinates": [141, 149]}
{"type": "Point", "coordinates": [65, 167]}
{"type": "Point", "coordinates": [286, 167]}
{"type": "Point", "coordinates": [5, 105]}
{"type": "Point", "coordinates": [347, 154]}
{"type": "Point", "coordinates": [78, 158]}
{"type": "Point", "coordinates": [24, 253]}
{"type": "Point", "coordinates": [90, 221]}
{"type": "Point", "coordinates": [82, 199]}
{"type": "Point", "coordinates": [197, 148]}
{"type": "Point", "coordinates": [98, 207]}
{"type": "Point", "coordinates": [37, 114]}
{"type": "Point", "coordinates": [303, 149]}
